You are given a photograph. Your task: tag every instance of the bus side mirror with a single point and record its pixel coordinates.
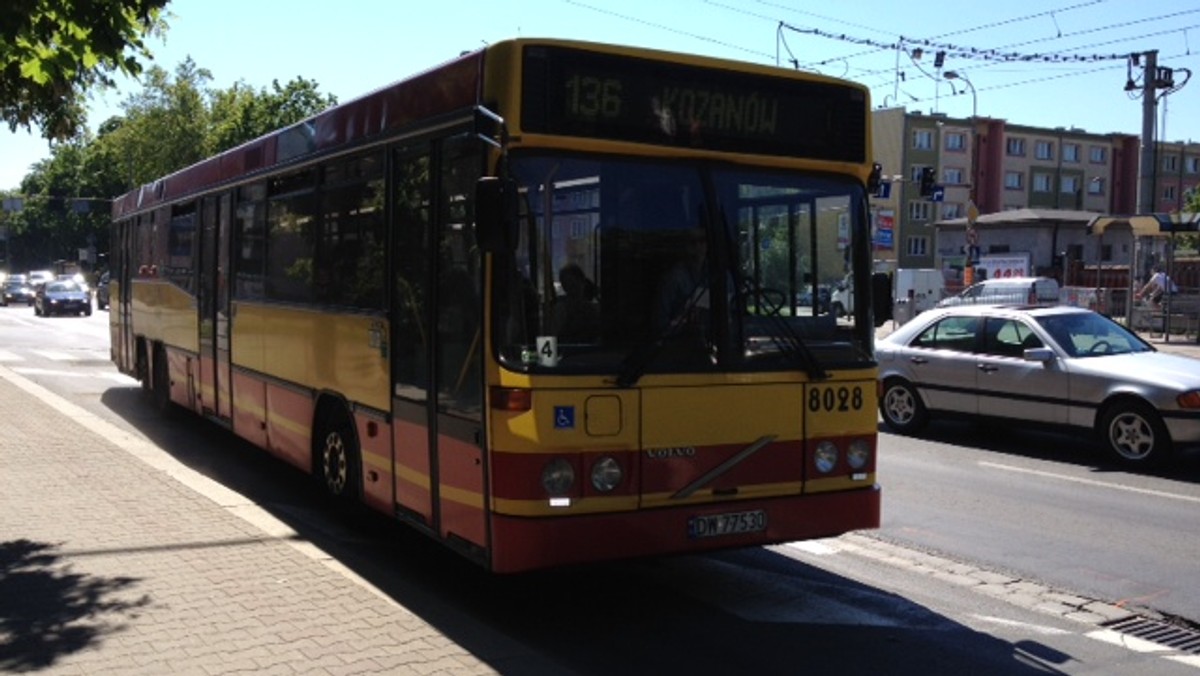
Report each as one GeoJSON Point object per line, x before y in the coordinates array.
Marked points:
{"type": "Point", "coordinates": [495, 213]}
{"type": "Point", "coordinates": [881, 297]}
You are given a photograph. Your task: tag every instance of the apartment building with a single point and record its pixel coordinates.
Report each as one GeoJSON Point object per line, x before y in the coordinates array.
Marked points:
{"type": "Point", "coordinates": [1053, 180]}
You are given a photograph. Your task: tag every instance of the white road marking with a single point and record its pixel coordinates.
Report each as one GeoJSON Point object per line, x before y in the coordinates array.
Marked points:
{"type": "Point", "coordinates": [55, 355]}
{"type": "Point", "coordinates": [1137, 645]}
{"type": "Point", "coordinates": [815, 547]}
{"type": "Point", "coordinates": [32, 371]}
{"type": "Point", "coordinates": [1091, 482]}
{"type": "Point", "coordinates": [1032, 628]}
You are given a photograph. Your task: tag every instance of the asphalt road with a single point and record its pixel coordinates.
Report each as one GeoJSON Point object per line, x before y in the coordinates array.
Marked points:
{"type": "Point", "coordinates": [1048, 507]}
{"type": "Point", "coordinates": [970, 590]}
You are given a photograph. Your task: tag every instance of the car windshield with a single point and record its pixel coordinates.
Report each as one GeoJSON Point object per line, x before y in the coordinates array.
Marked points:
{"type": "Point", "coordinates": [62, 287]}
{"type": "Point", "coordinates": [1087, 334]}
{"type": "Point", "coordinates": [625, 267]}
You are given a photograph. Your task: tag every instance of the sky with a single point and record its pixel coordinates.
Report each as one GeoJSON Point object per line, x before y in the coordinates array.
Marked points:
{"type": "Point", "coordinates": [1044, 63]}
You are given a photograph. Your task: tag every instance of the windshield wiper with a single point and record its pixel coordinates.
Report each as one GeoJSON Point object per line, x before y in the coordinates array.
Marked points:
{"type": "Point", "coordinates": [783, 336]}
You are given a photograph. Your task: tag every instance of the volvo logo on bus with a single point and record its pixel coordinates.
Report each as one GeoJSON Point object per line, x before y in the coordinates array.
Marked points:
{"type": "Point", "coordinates": [673, 452]}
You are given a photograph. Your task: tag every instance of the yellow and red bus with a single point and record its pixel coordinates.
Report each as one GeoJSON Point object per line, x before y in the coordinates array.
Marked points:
{"type": "Point", "coordinates": [550, 302]}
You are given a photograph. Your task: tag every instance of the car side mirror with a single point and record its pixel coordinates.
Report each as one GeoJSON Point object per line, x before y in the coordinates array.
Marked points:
{"type": "Point", "coordinates": [1042, 354]}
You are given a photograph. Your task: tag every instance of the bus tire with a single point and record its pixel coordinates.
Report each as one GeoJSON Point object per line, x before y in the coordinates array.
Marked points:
{"type": "Point", "coordinates": [160, 388]}
{"type": "Point", "coordinates": [336, 459]}
{"type": "Point", "coordinates": [142, 367]}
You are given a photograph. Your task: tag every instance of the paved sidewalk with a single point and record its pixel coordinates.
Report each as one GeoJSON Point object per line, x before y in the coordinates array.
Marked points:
{"type": "Point", "coordinates": [111, 562]}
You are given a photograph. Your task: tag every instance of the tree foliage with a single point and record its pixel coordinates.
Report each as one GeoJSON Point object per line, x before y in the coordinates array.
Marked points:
{"type": "Point", "coordinates": [52, 53]}
{"type": "Point", "coordinates": [176, 120]}
{"type": "Point", "coordinates": [240, 115]}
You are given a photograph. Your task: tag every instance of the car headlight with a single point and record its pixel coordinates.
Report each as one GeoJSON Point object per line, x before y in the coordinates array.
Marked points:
{"type": "Point", "coordinates": [859, 453]}
{"type": "Point", "coordinates": [606, 474]}
{"type": "Point", "coordinates": [826, 457]}
{"type": "Point", "coordinates": [558, 477]}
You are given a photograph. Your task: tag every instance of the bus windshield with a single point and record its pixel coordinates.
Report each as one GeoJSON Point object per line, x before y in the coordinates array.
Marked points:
{"type": "Point", "coordinates": [628, 266]}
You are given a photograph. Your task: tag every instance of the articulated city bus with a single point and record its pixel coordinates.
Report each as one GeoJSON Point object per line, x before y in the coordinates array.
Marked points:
{"type": "Point", "coordinates": [541, 302]}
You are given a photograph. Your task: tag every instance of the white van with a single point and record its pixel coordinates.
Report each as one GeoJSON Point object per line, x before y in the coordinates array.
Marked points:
{"type": "Point", "coordinates": [1007, 290]}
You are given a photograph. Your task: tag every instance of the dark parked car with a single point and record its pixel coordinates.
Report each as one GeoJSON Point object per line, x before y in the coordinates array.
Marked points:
{"type": "Point", "coordinates": [805, 298]}
{"type": "Point", "coordinates": [102, 292]}
{"type": "Point", "coordinates": [62, 297]}
{"type": "Point", "coordinates": [1061, 366]}
{"type": "Point", "coordinates": [17, 291]}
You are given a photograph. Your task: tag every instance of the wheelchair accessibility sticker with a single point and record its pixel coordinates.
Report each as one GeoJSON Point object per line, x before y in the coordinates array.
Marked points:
{"type": "Point", "coordinates": [564, 417]}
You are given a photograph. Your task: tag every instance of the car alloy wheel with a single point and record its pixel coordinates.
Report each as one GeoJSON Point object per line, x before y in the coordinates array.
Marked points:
{"type": "Point", "coordinates": [1135, 435]}
{"type": "Point", "coordinates": [901, 407]}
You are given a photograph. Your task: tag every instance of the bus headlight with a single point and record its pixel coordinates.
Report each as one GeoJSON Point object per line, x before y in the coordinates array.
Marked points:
{"type": "Point", "coordinates": [826, 457]}
{"type": "Point", "coordinates": [558, 477]}
{"type": "Point", "coordinates": [606, 474]}
{"type": "Point", "coordinates": [859, 453]}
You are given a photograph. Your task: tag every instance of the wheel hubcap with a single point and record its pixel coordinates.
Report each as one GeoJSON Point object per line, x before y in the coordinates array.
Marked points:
{"type": "Point", "coordinates": [1131, 436]}
{"type": "Point", "coordinates": [334, 464]}
{"type": "Point", "coordinates": [900, 406]}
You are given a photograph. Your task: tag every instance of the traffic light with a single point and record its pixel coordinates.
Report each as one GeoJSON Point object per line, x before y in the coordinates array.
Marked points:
{"type": "Point", "coordinates": [927, 181]}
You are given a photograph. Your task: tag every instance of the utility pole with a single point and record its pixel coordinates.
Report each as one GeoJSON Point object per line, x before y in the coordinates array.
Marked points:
{"type": "Point", "coordinates": [1145, 194]}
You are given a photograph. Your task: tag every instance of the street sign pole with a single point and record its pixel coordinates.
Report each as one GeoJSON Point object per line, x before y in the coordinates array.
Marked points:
{"type": "Point", "coordinates": [971, 247]}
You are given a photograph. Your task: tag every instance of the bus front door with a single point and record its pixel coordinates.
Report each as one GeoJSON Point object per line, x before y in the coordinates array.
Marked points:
{"type": "Point", "coordinates": [437, 398]}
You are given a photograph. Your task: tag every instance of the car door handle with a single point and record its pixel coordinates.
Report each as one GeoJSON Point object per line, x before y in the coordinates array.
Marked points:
{"type": "Point", "coordinates": [987, 368]}
{"type": "Point", "coordinates": [918, 360]}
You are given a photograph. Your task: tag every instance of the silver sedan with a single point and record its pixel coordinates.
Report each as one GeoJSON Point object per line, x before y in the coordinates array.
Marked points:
{"type": "Point", "coordinates": [1059, 366]}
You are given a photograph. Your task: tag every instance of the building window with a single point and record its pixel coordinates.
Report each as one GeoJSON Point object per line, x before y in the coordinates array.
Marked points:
{"type": "Point", "coordinates": [1014, 180]}
{"type": "Point", "coordinates": [922, 139]}
{"type": "Point", "coordinates": [952, 210]}
{"type": "Point", "coordinates": [1070, 152]}
{"type": "Point", "coordinates": [1098, 154]}
{"type": "Point", "coordinates": [1106, 252]}
{"type": "Point", "coordinates": [1043, 150]}
{"type": "Point", "coordinates": [1171, 163]}
{"type": "Point", "coordinates": [1096, 186]}
{"type": "Point", "coordinates": [953, 176]}
{"type": "Point", "coordinates": [917, 170]}
{"type": "Point", "coordinates": [918, 246]}
{"type": "Point", "coordinates": [919, 210]}
{"type": "Point", "coordinates": [1015, 147]}
{"type": "Point", "coordinates": [956, 140]}
{"type": "Point", "coordinates": [1192, 165]}
{"type": "Point", "coordinates": [1070, 184]}
{"type": "Point", "coordinates": [1169, 193]}
{"type": "Point", "coordinates": [1041, 182]}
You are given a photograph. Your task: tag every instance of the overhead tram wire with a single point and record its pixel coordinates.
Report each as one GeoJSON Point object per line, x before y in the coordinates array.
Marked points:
{"type": "Point", "coordinates": [1044, 58]}
{"type": "Point", "coordinates": [942, 35]}
{"type": "Point", "coordinates": [676, 31]}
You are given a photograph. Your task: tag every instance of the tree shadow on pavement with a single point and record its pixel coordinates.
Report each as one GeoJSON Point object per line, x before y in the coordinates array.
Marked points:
{"type": "Point", "coordinates": [48, 611]}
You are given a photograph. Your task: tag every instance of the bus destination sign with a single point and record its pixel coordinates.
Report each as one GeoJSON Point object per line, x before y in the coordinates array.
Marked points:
{"type": "Point", "coordinates": [577, 93]}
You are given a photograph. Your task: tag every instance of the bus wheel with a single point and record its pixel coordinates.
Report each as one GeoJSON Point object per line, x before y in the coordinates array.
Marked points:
{"type": "Point", "coordinates": [142, 367]}
{"type": "Point", "coordinates": [901, 407]}
{"type": "Point", "coordinates": [160, 388]}
{"type": "Point", "coordinates": [337, 459]}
